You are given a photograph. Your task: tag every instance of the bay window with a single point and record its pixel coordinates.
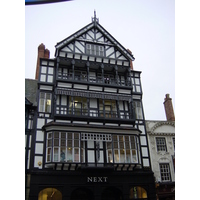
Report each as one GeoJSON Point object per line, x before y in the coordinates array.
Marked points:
{"type": "Point", "coordinates": [63, 147]}
{"type": "Point", "coordinates": [124, 149]}
{"type": "Point", "coordinates": [90, 148]}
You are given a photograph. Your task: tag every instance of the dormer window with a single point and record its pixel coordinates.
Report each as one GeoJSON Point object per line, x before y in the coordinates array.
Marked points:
{"type": "Point", "coordinates": [95, 50]}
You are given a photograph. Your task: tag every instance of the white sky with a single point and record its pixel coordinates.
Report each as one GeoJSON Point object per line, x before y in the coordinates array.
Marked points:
{"type": "Point", "coordinates": [146, 27]}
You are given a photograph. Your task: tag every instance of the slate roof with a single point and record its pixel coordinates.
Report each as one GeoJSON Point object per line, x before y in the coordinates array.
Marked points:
{"type": "Point", "coordinates": [31, 90]}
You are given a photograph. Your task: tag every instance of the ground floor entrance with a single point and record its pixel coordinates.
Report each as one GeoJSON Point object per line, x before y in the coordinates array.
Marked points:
{"type": "Point", "coordinates": [92, 186]}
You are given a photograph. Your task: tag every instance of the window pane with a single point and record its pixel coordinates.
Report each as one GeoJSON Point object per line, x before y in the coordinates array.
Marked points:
{"type": "Point", "coordinates": [63, 135]}
{"type": "Point", "coordinates": [76, 154]}
{"type": "Point", "coordinates": [128, 156]}
{"type": "Point", "coordinates": [49, 143]}
{"type": "Point", "coordinates": [62, 154]}
{"type": "Point", "coordinates": [43, 78]}
{"type": "Point", "coordinates": [110, 157]}
{"type": "Point", "coordinates": [69, 154]}
{"type": "Point", "coordinates": [41, 107]}
{"type": "Point", "coordinates": [122, 156]}
{"type": "Point", "coordinates": [134, 156]}
{"type": "Point", "coordinates": [48, 154]}
{"type": "Point", "coordinates": [56, 135]}
{"type": "Point", "coordinates": [116, 156]}
{"type": "Point", "coordinates": [69, 136]}
{"type": "Point", "coordinates": [50, 79]}
{"type": "Point", "coordinates": [55, 154]}
{"type": "Point", "coordinates": [50, 70]}
{"type": "Point", "coordinates": [69, 143]}
{"type": "Point", "coordinates": [44, 70]}
{"type": "Point", "coordinates": [76, 143]}
{"type": "Point", "coordinates": [76, 135]}
{"type": "Point", "coordinates": [56, 142]}
{"type": "Point", "coordinates": [63, 142]}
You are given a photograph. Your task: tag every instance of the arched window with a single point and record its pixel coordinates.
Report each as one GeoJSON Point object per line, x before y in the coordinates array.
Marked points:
{"type": "Point", "coordinates": [82, 194]}
{"type": "Point", "coordinates": [137, 193]}
{"type": "Point", "coordinates": [50, 194]}
{"type": "Point", "coordinates": [111, 193]}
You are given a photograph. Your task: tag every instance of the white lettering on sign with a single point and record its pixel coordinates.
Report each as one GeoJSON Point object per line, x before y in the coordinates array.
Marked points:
{"type": "Point", "coordinates": [96, 179]}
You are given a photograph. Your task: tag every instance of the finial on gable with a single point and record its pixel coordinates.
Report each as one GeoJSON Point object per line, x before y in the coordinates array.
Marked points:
{"type": "Point", "coordinates": [94, 19]}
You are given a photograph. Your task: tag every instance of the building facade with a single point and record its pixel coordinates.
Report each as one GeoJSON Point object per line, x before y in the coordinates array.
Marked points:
{"type": "Point", "coordinates": [161, 138]}
{"type": "Point", "coordinates": [89, 140]}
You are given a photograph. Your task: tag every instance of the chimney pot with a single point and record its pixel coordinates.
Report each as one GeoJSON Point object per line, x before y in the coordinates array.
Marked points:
{"type": "Point", "coordinates": [42, 53]}
{"type": "Point", "coordinates": [46, 53]}
{"type": "Point", "coordinates": [41, 47]}
{"type": "Point", "coordinates": [169, 108]}
{"type": "Point", "coordinates": [131, 63]}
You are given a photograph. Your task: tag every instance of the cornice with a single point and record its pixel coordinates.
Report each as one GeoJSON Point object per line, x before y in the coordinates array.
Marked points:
{"type": "Point", "coordinates": [162, 133]}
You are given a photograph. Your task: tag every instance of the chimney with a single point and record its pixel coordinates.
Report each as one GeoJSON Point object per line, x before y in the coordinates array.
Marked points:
{"type": "Point", "coordinates": [169, 108]}
{"type": "Point", "coordinates": [131, 63]}
{"type": "Point", "coordinates": [42, 53]}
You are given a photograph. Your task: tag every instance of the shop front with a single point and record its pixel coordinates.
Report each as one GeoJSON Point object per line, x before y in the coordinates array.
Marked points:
{"type": "Point", "coordinates": [87, 185]}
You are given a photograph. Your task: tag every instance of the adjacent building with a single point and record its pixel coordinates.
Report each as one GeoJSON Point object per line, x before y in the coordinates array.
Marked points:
{"type": "Point", "coordinates": [161, 138]}
{"type": "Point", "coordinates": [88, 138]}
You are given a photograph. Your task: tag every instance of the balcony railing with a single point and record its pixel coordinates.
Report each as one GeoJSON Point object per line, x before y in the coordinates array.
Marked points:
{"type": "Point", "coordinates": [94, 79]}
{"type": "Point", "coordinates": [92, 112]}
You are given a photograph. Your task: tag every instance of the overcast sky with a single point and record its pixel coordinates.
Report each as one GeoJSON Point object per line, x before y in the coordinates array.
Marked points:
{"type": "Point", "coordinates": [146, 27]}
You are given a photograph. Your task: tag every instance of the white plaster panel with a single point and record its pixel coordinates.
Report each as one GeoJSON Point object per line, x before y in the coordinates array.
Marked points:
{"type": "Point", "coordinates": [67, 85]}
{"type": "Point", "coordinates": [141, 128]}
{"type": "Point", "coordinates": [109, 51]}
{"type": "Point", "coordinates": [79, 46]}
{"type": "Point", "coordinates": [124, 91]}
{"type": "Point", "coordinates": [95, 88]}
{"type": "Point", "coordinates": [39, 148]}
{"type": "Point", "coordinates": [40, 123]}
{"type": "Point", "coordinates": [110, 89]}
{"type": "Point", "coordinates": [62, 54]}
{"type": "Point", "coordinates": [143, 140]}
{"type": "Point", "coordinates": [39, 136]}
{"type": "Point", "coordinates": [146, 162]}
{"type": "Point", "coordinates": [83, 87]}
{"type": "Point", "coordinates": [144, 151]}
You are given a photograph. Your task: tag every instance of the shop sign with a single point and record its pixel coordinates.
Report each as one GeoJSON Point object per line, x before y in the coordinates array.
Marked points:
{"type": "Point", "coordinates": [97, 179]}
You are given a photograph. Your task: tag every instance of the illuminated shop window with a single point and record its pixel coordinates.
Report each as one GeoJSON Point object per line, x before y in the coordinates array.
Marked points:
{"type": "Point", "coordinates": [50, 193]}
{"type": "Point", "coordinates": [137, 193]}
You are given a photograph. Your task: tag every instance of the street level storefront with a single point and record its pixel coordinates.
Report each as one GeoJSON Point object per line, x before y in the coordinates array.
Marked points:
{"type": "Point", "coordinates": [91, 185]}
{"type": "Point", "coordinates": [165, 191]}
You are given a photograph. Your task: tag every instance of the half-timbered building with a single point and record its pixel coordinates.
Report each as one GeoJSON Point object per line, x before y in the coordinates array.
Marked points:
{"type": "Point", "coordinates": [90, 138]}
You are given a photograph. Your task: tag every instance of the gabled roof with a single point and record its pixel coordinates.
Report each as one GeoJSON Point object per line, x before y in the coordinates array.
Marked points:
{"type": "Point", "coordinates": [95, 24]}
{"type": "Point", "coordinates": [27, 102]}
{"type": "Point", "coordinates": [31, 91]}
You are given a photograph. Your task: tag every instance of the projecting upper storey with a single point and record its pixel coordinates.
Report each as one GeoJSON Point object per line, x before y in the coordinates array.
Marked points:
{"type": "Point", "coordinates": [94, 43]}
